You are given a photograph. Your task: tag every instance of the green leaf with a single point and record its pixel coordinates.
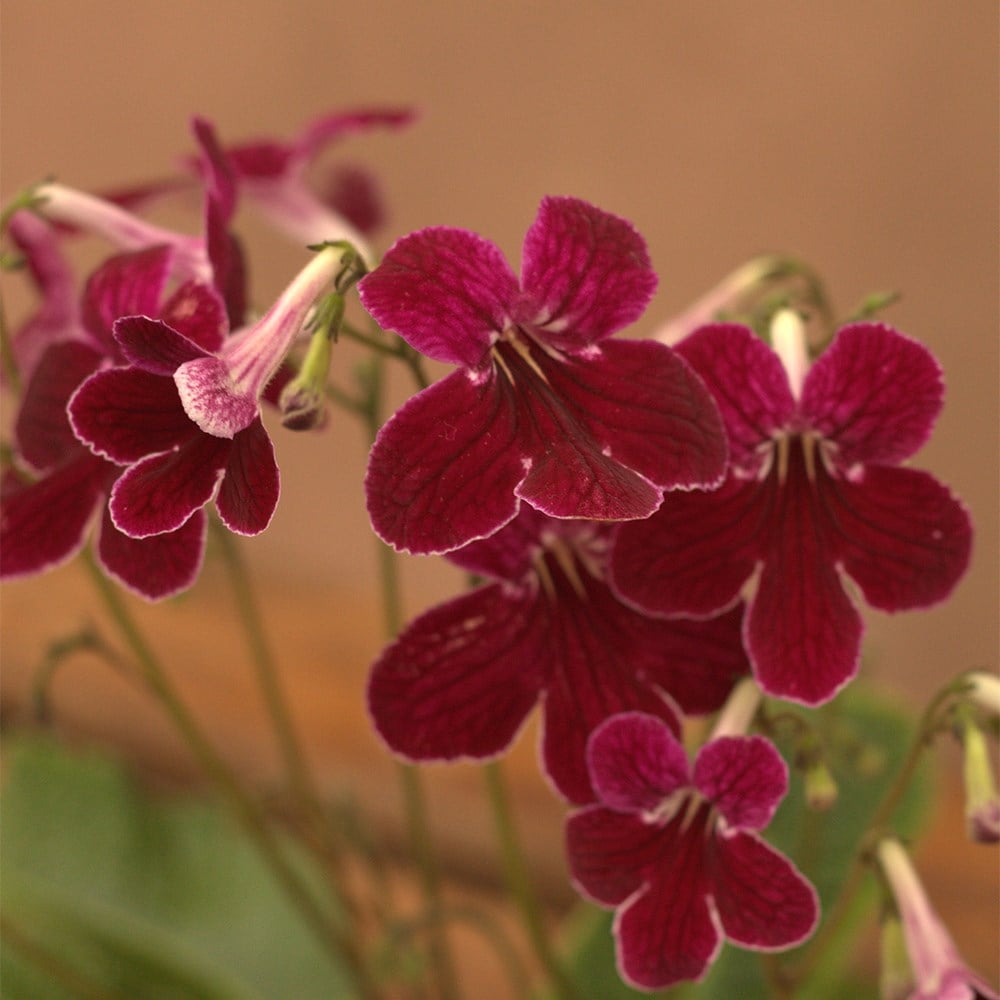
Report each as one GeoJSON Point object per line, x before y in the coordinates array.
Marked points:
{"type": "Point", "coordinates": [142, 897]}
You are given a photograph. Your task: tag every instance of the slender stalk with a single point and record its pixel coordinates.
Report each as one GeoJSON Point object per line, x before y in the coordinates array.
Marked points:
{"type": "Point", "coordinates": [266, 670]}
{"type": "Point", "coordinates": [410, 780]}
{"type": "Point", "coordinates": [520, 883]}
{"type": "Point", "coordinates": [838, 912]}
{"type": "Point", "coordinates": [246, 810]}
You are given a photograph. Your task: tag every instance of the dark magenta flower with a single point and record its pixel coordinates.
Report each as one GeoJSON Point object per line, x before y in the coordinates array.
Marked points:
{"type": "Point", "coordinates": [185, 418]}
{"type": "Point", "coordinates": [277, 177]}
{"type": "Point", "coordinates": [461, 679]}
{"type": "Point", "coordinates": [47, 510]}
{"type": "Point", "coordinates": [814, 493]}
{"type": "Point", "coordinates": [674, 849]}
{"type": "Point", "coordinates": [545, 408]}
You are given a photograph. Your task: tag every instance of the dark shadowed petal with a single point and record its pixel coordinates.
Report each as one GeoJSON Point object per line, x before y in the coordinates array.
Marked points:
{"type": "Point", "coordinates": [442, 471]}
{"type": "Point", "coordinates": [462, 678]}
{"type": "Point", "coordinates": [129, 284]}
{"type": "Point", "coordinates": [155, 567]}
{"type": "Point", "coordinates": [249, 492]}
{"type": "Point", "coordinates": [697, 661]}
{"type": "Point", "coordinates": [644, 406]}
{"type": "Point", "coordinates": [42, 430]}
{"type": "Point", "coordinates": [803, 633]}
{"type": "Point", "coordinates": [126, 414]}
{"type": "Point", "coordinates": [153, 346]}
{"type": "Point", "coordinates": [353, 193]}
{"type": "Point", "coordinates": [635, 762]}
{"type": "Point", "coordinates": [602, 663]}
{"type": "Point", "coordinates": [761, 898]}
{"type": "Point", "coordinates": [585, 273]}
{"type": "Point", "coordinates": [694, 554]}
{"type": "Point", "coordinates": [744, 777]}
{"type": "Point", "coordinates": [447, 292]}
{"type": "Point", "coordinates": [161, 492]}
{"type": "Point", "coordinates": [44, 524]}
{"type": "Point", "coordinates": [667, 934]}
{"type": "Point", "coordinates": [507, 554]}
{"type": "Point", "coordinates": [875, 393]}
{"type": "Point", "coordinates": [904, 538]}
{"type": "Point", "coordinates": [748, 382]}
{"type": "Point", "coordinates": [610, 853]}
{"type": "Point", "coordinates": [196, 312]}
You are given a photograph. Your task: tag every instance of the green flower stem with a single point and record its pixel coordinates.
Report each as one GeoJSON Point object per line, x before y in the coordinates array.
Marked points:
{"type": "Point", "coordinates": [266, 670]}
{"type": "Point", "coordinates": [520, 883]}
{"type": "Point", "coordinates": [8, 362]}
{"type": "Point", "coordinates": [246, 810]}
{"type": "Point", "coordinates": [413, 794]}
{"type": "Point", "coordinates": [321, 835]}
{"type": "Point", "coordinates": [813, 953]}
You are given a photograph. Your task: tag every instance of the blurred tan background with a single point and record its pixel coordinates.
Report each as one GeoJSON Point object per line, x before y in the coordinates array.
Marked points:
{"type": "Point", "coordinates": [860, 136]}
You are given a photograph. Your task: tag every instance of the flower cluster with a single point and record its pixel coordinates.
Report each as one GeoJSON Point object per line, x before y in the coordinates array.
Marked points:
{"type": "Point", "coordinates": [646, 524]}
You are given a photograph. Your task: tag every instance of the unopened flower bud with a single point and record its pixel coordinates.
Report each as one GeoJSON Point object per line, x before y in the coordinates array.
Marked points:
{"type": "Point", "coordinates": [821, 788]}
{"type": "Point", "coordinates": [982, 803]}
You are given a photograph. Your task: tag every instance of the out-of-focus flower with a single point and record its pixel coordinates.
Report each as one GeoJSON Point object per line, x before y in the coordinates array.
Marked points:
{"type": "Point", "coordinates": [938, 972]}
{"type": "Point", "coordinates": [814, 492]}
{"type": "Point", "coordinates": [47, 511]}
{"type": "Point", "coordinates": [462, 679]}
{"type": "Point", "coordinates": [344, 204]}
{"type": "Point", "coordinates": [545, 408]}
{"type": "Point", "coordinates": [675, 850]}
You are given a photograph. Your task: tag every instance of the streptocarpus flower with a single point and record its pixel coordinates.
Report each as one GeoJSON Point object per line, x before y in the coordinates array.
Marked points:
{"type": "Point", "coordinates": [462, 678]}
{"type": "Point", "coordinates": [938, 972]}
{"type": "Point", "coordinates": [545, 408]}
{"type": "Point", "coordinates": [344, 205]}
{"type": "Point", "coordinates": [675, 850]}
{"type": "Point", "coordinates": [814, 493]}
{"type": "Point", "coordinates": [46, 514]}
{"type": "Point", "coordinates": [186, 420]}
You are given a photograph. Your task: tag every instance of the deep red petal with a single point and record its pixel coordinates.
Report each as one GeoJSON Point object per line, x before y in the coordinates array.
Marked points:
{"type": "Point", "coordinates": [749, 384]}
{"type": "Point", "coordinates": [154, 346]}
{"type": "Point", "coordinates": [462, 678]}
{"type": "Point", "coordinates": [635, 762]}
{"type": "Point", "coordinates": [667, 934]}
{"type": "Point", "coordinates": [161, 492]}
{"type": "Point", "coordinates": [744, 777]}
{"type": "Point", "coordinates": [875, 393]}
{"type": "Point", "coordinates": [442, 471]}
{"type": "Point", "coordinates": [126, 414]}
{"type": "Point", "coordinates": [129, 284]}
{"type": "Point", "coordinates": [643, 406]}
{"type": "Point", "coordinates": [585, 273]}
{"type": "Point", "coordinates": [694, 554]}
{"type": "Point", "coordinates": [803, 633]}
{"type": "Point", "coordinates": [196, 312]}
{"type": "Point", "coordinates": [762, 900]}
{"type": "Point", "coordinates": [249, 492]}
{"type": "Point", "coordinates": [45, 524]}
{"type": "Point", "coordinates": [447, 292]}
{"type": "Point", "coordinates": [903, 537]}
{"type": "Point", "coordinates": [156, 567]}
{"type": "Point", "coordinates": [610, 853]}
{"type": "Point", "coordinates": [601, 664]}
{"type": "Point", "coordinates": [42, 431]}
{"type": "Point", "coordinates": [332, 127]}
{"type": "Point", "coordinates": [352, 193]}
